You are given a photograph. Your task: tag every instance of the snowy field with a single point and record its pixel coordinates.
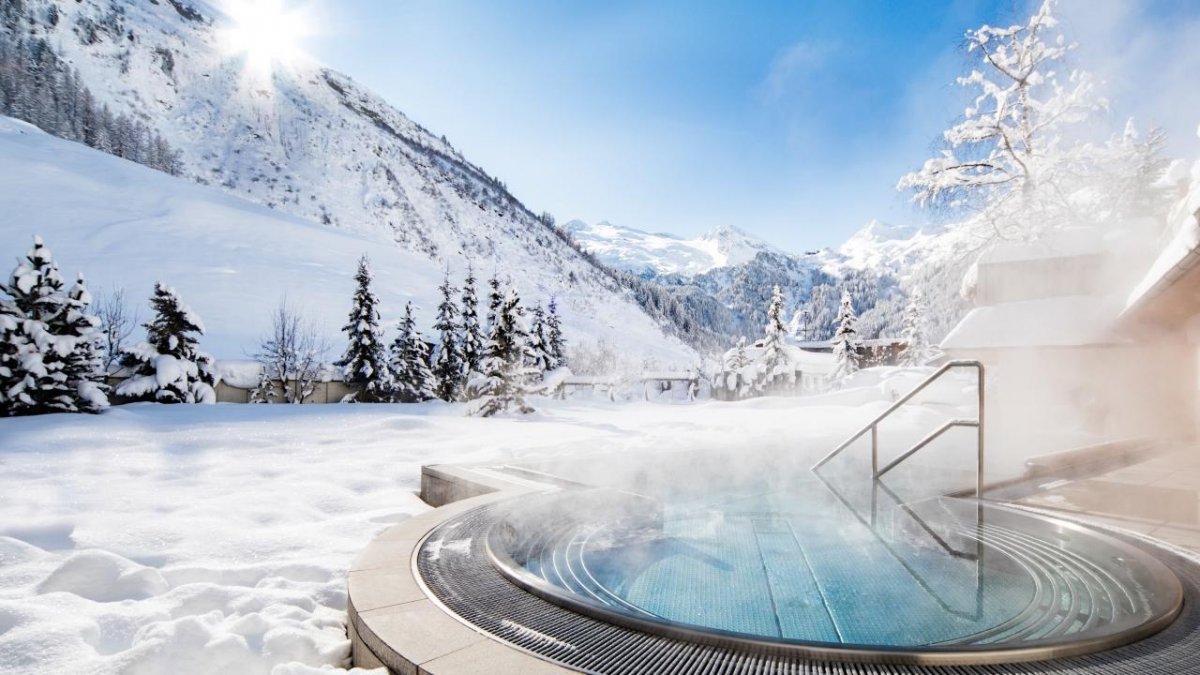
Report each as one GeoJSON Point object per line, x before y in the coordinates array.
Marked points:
{"type": "Point", "coordinates": [216, 539]}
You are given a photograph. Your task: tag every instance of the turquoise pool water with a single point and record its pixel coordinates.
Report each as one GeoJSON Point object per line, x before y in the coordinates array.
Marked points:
{"type": "Point", "coordinates": [807, 562]}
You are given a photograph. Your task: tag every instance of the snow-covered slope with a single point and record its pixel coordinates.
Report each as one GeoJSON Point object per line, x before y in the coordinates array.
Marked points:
{"type": "Point", "coordinates": [233, 261]}
{"type": "Point", "coordinates": [310, 142]}
{"type": "Point", "coordinates": [650, 253]}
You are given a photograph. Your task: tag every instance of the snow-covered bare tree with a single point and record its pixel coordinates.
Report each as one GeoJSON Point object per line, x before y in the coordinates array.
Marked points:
{"type": "Point", "coordinates": [471, 337]}
{"type": "Point", "coordinates": [846, 342]}
{"type": "Point", "coordinates": [412, 380]}
{"type": "Point", "coordinates": [364, 363]}
{"type": "Point", "coordinates": [292, 355]}
{"type": "Point", "coordinates": [501, 386]}
{"type": "Point", "coordinates": [168, 367]}
{"type": "Point", "coordinates": [448, 364]}
{"type": "Point", "coordinates": [118, 321]}
{"type": "Point", "coordinates": [1007, 157]}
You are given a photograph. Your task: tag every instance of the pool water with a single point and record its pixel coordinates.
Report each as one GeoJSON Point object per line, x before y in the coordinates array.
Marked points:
{"type": "Point", "coordinates": [807, 562]}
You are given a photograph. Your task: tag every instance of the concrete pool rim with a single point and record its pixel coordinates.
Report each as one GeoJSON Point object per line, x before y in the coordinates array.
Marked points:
{"type": "Point", "coordinates": [397, 622]}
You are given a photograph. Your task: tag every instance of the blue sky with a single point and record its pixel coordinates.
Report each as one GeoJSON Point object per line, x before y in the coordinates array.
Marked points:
{"type": "Point", "coordinates": [791, 120]}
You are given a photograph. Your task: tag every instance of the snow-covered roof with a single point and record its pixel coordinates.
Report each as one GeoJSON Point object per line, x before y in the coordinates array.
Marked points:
{"type": "Point", "coordinates": [1065, 243]}
{"type": "Point", "coordinates": [1069, 321]}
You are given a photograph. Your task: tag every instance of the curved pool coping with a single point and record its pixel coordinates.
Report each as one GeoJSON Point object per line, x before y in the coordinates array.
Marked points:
{"type": "Point", "coordinates": [396, 622]}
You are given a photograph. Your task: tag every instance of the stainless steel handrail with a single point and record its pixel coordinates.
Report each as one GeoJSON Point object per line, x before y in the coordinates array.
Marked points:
{"type": "Point", "coordinates": [873, 426]}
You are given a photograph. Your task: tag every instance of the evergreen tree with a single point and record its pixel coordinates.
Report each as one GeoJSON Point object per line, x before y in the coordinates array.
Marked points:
{"type": "Point", "coordinates": [537, 358]}
{"type": "Point", "coordinates": [448, 366]}
{"type": "Point", "coordinates": [168, 367]}
{"type": "Point", "coordinates": [472, 339]}
{"type": "Point", "coordinates": [500, 388]}
{"type": "Point", "coordinates": [85, 367]}
{"type": "Point", "coordinates": [495, 299]}
{"type": "Point", "coordinates": [48, 360]}
{"type": "Point", "coordinates": [846, 342]}
{"type": "Point", "coordinates": [555, 343]}
{"type": "Point", "coordinates": [412, 381]}
{"type": "Point", "coordinates": [264, 389]}
{"type": "Point", "coordinates": [919, 351]}
{"type": "Point", "coordinates": [774, 356]}
{"type": "Point", "coordinates": [364, 364]}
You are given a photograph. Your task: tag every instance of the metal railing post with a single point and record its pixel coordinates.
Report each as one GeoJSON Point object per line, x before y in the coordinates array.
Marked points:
{"type": "Point", "coordinates": [978, 423]}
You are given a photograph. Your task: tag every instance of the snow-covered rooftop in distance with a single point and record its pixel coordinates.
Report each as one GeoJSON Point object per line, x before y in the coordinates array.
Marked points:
{"type": "Point", "coordinates": [1070, 321]}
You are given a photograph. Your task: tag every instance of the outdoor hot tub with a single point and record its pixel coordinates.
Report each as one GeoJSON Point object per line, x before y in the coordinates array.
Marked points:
{"type": "Point", "coordinates": [792, 572]}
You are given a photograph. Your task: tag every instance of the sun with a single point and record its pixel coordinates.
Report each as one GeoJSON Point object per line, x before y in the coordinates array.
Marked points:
{"type": "Point", "coordinates": [266, 32]}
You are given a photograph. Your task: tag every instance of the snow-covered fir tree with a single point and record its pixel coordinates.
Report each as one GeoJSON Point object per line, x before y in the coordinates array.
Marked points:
{"type": "Point", "coordinates": [846, 342]}
{"type": "Point", "coordinates": [264, 389]}
{"type": "Point", "coordinates": [49, 360]}
{"type": "Point", "coordinates": [470, 335]}
{"type": "Point", "coordinates": [168, 367]}
{"type": "Point", "coordinates": [448, 364]}
{"type": "Point", "coordinates": [538, 359]}
{"type": "Point", "coordinates": [85, 367]}
{"type": "Point", "coordinates": [556, 344]}
{"type": "Point", "coordinates": [738, 360]}
{"type": "Point", "coordinates": [412, 380]}
{"type": "Point", "coordinates": [495, 299]}
{"type": "Point", "coordinates": [364, 364]}
{"type": "Point", "coordinates": [919, 351]}
{"type": "Point", "coordinates": [774, 356]}
{"type": "Point", "coordinates": [501, 385]}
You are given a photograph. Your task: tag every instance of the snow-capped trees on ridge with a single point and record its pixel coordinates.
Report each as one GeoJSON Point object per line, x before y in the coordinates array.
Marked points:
{"type": "Point", "coordinates": [168, 367]}
{"type": "Point", "coordinates": [846, 342]}
{"type": "Point", "coordinates": [50, 344]}
{"type": "Point", "coordinates": [364, 363]}
{"type": "Point", "coordinates": [37, 86]}
{"type": "Point", "coordinates": [408, 358]}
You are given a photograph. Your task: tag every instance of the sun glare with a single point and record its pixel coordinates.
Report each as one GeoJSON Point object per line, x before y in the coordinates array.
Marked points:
{"type": "Point", "coordinates": [266, 31]}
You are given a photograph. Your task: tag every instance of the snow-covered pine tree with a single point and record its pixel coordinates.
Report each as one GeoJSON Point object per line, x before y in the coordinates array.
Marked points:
{"type": "Point", "coordinates": [49, 361]}
{"type": "Point", "coordinates": [919, 351]}
{"type": "Point", "coordinates": [364, 364]}
{"type": "Point", "coordinates": [167, 366]}
{"type": "Point", "coordinates": [846, 341]}
{"type": "Point", "coordinates": [412, 381]}
{"type": "Point", "coordinates": [448, 365]}
{"type": "Point", "coordinates": [556, 344]}
{"type": "Point", "coordinates": [85, 367]}
{"type": "Point", "coordinates": [264, 389]}
{"type": "Point", "coordinates": [471, 336]}
{"type": "Point", "coordinates": [495, 299]}
{"type": "Point", "coordinates": [537, 353]}
{"type": "Point", "coordinates": [774, 356]}
{"type": "Point", "coordinates": [500, 387]}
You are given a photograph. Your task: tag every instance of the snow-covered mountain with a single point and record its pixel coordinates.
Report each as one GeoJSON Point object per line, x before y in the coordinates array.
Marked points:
{"type": "Point", "coordinates": [653, 254]}
{"type": "Point", "coordinates": [233, 261]}
{"type": "Point", "coordinates": [309, 142]}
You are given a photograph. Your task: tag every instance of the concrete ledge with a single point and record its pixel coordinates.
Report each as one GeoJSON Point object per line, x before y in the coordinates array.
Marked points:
{"type": "Point", "coordinates": [393, 621]}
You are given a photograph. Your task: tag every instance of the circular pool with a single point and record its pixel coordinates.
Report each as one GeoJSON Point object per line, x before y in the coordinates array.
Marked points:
{"type": "Point", "coordinates": [858, 576]}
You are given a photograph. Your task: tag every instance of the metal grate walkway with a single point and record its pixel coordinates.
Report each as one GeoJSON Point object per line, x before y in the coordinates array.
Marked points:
{"type": "Point", "coordinates": [469, 586]}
